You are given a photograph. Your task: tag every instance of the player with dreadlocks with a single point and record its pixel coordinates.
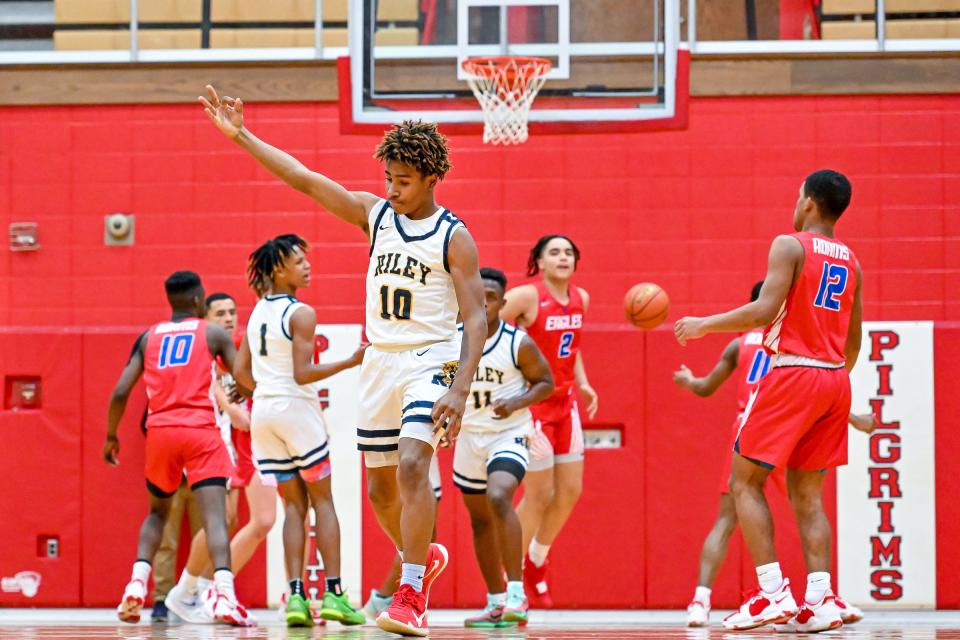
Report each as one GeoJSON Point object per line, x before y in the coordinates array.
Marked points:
{"type": "Point", "coordinates": [417, 374]}
{"type": "Point", "coordinates": [289, 436]}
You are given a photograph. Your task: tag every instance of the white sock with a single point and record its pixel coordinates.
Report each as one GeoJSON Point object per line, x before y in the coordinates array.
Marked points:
{"type": "Point", "coordinates": [770, 577]}
{"type": "Point", "coordinates": [412, 574]}
{"type": "Point", "coordinates": [702, 595]}
{"type": "Point", "coordinates": [382, 598]}
{"type": "Point", "coordinates": [494, 599]}
{"type": "Point", "coordinates": [538, 552]}
{"type": "Point", "coordinates": [515, 590]}
{"type": "Point", "coordinates": [223, 578]}
{"type": "Point", "coordinates": [141, 571]}
{"type": "Point", "coordinates": [189, 583]}
{"type": "Point", "coordinates": [203, 584]}
{"type": "Point", "coordinates": [818, 583]}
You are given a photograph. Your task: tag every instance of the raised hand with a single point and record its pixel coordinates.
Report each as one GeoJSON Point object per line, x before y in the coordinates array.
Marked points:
{"type": "Point", "coordinates": [226, 112]}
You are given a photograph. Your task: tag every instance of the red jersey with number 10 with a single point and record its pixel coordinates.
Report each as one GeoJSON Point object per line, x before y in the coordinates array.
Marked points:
{"type": "Point", "coordinates": [752, 364]}
{"type": "Point", "coordinates": [178, 371]}
{"type": "Point", "coordinates": [556, 331]}
{"type": "Point", "coordinates": [815, 318]}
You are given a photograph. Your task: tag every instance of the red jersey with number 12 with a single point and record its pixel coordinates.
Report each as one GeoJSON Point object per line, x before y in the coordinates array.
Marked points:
{"type": "Point", "coordinates": [815, 318]}
{"type": "Point", "coordinates": [557, 332]}
{"type": "Point", "coordinates": [752, 364]}
{"type": "Point", "coordinates": [178, 371]}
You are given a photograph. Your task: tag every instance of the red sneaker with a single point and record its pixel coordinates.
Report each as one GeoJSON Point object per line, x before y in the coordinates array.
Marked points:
{"type": "Point", "coordinates": [437, 558]}
{"type": "Point", "coordinates": [535, 584]}
{"type": "Point", "coordinates": [407, 614]}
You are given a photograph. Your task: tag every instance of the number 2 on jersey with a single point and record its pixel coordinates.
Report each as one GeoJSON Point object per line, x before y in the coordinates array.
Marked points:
{"type": "Point", "coordinates": [566, 340]}
{"type": "Point", "coordinates": [402, 303]}
{"type": "Point", "coordinates": [833, 282]}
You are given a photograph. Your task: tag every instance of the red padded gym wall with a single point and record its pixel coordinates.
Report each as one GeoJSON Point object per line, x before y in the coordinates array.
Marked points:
{"type": "Point", "coordinates": [694, 210]}
{"type": "Point", "coordinates": [41, 500]}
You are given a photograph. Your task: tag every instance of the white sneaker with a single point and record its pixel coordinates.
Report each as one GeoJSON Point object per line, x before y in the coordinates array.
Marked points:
{"type": "Point", "coordinates": [848, 612]}
{"type": "Point", "coordinates": [698, 614]}
{"type": "Point", "coordinates": [134, 595]}
{"type": "Point", "coordinates": [376, 605]}
{"type": "Point", "coordinates": [187, 607]}
{"type": "Point", "coordinates": [763, 608]}
{"type": "Point", "coordinates": [229, 611]}
{"type": "Point", "coordinates": [814, 618]}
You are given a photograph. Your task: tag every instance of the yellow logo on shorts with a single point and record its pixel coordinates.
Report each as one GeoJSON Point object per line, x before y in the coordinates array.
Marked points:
{"type": "Point", "coordinates": [447, 374]}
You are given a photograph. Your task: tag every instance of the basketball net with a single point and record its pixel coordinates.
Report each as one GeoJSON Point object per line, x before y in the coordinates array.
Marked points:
{"type": "Point", "coordinates": [505, 87]}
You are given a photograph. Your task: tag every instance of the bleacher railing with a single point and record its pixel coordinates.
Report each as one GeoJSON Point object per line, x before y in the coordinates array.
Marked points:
{"type": "Point", "coordinates": [873, 27]}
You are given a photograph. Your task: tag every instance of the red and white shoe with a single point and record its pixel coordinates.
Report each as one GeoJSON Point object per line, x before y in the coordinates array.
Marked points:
{"type": "Point", "coordinates": [437, 559]}
{"type": "Point", "coordinates": [535, 584]}
{"type": "Point", "coordinates": [698, 614]}
{"type": "Point", "coordinates": [229, 611]}
{"type": "Point", "coordinates": [134, 595]}
{"type": "Point", "coordinates": [814, 618]}
{"type": "Point", "coordinates": [407, 614]}
{"type": "Point", "coordinates": [761, 608]}
{"type": "Point", "coordinates": [849, 613]}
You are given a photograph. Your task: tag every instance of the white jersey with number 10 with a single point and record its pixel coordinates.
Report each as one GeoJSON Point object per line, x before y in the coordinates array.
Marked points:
{"type": "Point", "coordinates": [411, 301]}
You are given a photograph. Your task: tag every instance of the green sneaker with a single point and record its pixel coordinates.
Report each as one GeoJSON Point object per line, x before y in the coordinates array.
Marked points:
{"type": "Point", "coordinates": [490, 618]}
{"type": "Point", "coordinates": [338, 608]}
{"type": "Point", "coordinates": [298, 612]}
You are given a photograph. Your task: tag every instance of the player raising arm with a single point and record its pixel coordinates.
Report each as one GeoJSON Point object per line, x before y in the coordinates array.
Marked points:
{"type": "Point", "coordinates": [416, 376]}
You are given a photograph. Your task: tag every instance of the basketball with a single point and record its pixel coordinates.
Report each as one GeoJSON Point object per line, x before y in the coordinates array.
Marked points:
{"type": "Point", "coordinates": [646, 305]}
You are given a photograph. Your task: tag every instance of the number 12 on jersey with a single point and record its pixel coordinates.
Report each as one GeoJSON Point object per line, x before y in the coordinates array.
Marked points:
{"type": "Point", "coordinates": [833, 282]}
{"type": "Point", "coordinates": [402, 303]}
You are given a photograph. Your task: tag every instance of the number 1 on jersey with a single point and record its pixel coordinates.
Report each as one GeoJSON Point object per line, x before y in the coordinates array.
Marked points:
{"type": "Point", "coordinates": [263, 339]}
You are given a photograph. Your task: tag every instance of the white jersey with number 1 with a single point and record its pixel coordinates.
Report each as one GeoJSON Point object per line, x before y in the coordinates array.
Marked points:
{"type": "Point", "coordinates": [411, 300]}
{"type": "Point", "coordinates": [271, 348]}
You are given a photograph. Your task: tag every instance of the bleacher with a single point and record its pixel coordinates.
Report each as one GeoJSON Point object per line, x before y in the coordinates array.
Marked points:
{"type": "Point", "coordinates": [181, 24]}
{"type": "Point", "coordinates": [913, 19]}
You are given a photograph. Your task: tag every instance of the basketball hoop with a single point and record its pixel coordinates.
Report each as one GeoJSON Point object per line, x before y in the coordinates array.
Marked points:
{"type": "Point", "coordinates": [505, 87]}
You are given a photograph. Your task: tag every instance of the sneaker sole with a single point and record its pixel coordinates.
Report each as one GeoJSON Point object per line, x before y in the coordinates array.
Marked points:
{"type": "Point", "coordinates": [339, 616]}
{"type": "Point", "coordinates": [489, 625]}
{"type": "Point", "coordinates": [393, 626]}
{"type": "Point", "coordinates": [130, 610]}
{"type": "Point", "coordinates": [297, 619]}
{"type": "Point", "coordinates": [515, 616]}
{"type": "Point", "coordinates": [786, 617]}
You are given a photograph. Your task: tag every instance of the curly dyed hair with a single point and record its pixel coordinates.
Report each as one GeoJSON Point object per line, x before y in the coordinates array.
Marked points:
{"type": "Point", "coordinates": [269, 257]}
{"type": "Point", "coordinates": [418, 144]}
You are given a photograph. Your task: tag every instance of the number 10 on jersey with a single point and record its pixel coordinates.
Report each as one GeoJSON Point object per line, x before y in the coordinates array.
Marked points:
{"type": "Point", "coordinates": [398, 306]}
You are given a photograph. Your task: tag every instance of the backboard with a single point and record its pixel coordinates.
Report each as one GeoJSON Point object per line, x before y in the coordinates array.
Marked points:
{"type": "Point", "coordinates": [616, 64]}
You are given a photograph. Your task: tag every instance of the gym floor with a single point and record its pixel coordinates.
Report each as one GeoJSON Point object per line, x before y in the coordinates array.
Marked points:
{"type": "Point", "coordinates": [90, 624]}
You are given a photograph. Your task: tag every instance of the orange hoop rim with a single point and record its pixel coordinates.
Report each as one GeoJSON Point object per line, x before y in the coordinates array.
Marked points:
{"type": "Point", "coordinates": [487, 66]}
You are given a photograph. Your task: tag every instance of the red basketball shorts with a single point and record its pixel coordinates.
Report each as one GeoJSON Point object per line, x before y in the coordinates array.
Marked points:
{"type": "Point", "coordinates": [558, 434]}
{"type": "Point", "coordinates": [777, 479]}
{"type": "Point", "coordinates": [797, 418]}
{"type": "Point", "coordinates": [244, 469]}
{"type": "Point", "coordinates": [172, 450]}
